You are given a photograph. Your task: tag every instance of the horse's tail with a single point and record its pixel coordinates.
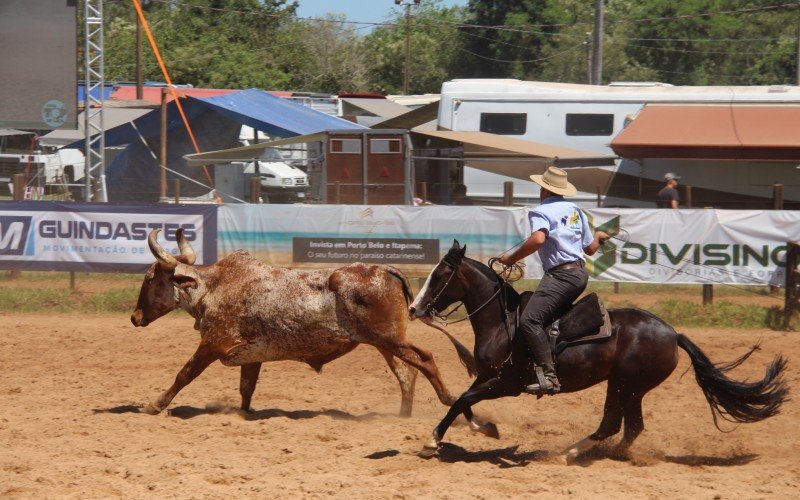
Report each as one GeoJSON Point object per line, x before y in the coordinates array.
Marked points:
{"type": "Point", "coordinates": [403, 280]}
{"type": "Point", "coordinates": [738, 401]}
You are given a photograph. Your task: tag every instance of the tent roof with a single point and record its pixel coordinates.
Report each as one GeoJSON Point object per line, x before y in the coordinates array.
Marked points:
{"type": "Point", "coordinates": [412, 118]}
{"type": "Point", "coordinates": [112, 117]}
{"type": "Point", "coordinates": [483, 144]}
{"type": "Point", "coordinates": [273, 115]}
{"type": "Point", "coordinates": [253, 151]}
{"type": "Point", "coordinates": [722, 132]}
{"type": "Point", "coordinates": [378, 107]}
{"type": "Point", "coordinates": [13, 131]}
{"type": "Point", "coordinates": [519, 159]}
{"type": "Point", "coordinates": [246, 153]}
{"type": "Point", "coordinates": [253, 107]}
{"type": "Point", "coordinates": [152, 94]}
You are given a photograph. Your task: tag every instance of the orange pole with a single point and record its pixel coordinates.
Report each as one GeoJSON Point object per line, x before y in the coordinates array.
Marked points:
{"type": "Point", "coordinates": [164, 72]}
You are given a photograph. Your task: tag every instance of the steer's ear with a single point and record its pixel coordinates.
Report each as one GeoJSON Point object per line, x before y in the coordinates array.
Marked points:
{"type": "Point", "coordinates": [183, 281]}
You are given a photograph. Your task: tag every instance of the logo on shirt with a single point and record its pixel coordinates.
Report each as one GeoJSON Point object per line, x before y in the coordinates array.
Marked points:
{"type": "Point", "coordinates": [572, 222]}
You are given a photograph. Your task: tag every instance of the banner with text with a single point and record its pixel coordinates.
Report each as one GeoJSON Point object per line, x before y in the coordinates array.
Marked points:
{"type": "Point", "coordinates": [99, 237]}
{"type": "Point", "coordinates": [746, 247]}
{"type": "Point", "coordinates": [412, 238]}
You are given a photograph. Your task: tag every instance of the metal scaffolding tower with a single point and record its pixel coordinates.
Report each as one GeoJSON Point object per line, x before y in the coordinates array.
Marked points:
{"type": "Point", "coordinates": [94, 75]}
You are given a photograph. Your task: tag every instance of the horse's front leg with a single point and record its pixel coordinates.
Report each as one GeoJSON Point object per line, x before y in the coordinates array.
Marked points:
{"type": "Point", "coordinates": [489, 389]}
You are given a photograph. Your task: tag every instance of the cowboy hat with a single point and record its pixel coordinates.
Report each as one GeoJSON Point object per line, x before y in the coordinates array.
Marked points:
{"type": "Point", "coordinates": [555, 181]}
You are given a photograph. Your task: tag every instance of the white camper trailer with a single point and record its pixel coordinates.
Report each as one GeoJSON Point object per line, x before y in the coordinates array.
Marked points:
{"type": "Point", "coordinates": [588, 117]}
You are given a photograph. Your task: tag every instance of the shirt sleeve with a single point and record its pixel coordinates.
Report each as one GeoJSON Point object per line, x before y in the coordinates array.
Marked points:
{"type": "Point", "coordinates": [538, 221]}
{"type": "Point", "coordinates": [586, 231]}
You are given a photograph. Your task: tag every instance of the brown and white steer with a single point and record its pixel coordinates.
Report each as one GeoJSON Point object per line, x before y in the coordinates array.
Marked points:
{"type": "Point", "coordinates": [249, 312]}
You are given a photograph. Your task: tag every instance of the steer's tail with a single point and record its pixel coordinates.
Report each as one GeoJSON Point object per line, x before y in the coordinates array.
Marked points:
{"type": "Point", "coordinates": [464, 354]}
{"type": "Point", "coordinates": [403, 280]}
{"type": "Point", "coordinates": [734, 401]}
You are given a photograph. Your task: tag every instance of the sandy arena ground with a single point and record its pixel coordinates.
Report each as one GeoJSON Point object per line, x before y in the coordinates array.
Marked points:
{"type": "Point", "coordinates": [73, 386]}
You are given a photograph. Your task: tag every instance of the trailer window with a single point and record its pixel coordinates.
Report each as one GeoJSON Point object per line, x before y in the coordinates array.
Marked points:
{"type": "Point", "coordinates": [504, 123]}
{"type": "Point", "coordinates": [352, 146]}
{"type": "Point", "coordinates": [590, 124]}
{"type": "Point", "coordinates": [384, 146]}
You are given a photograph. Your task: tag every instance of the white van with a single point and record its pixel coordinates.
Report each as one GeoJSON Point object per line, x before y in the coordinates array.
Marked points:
{"type": "Point", "coordinates": [277, 176]}
{"type": "Point", "coordinates": [281, 181]}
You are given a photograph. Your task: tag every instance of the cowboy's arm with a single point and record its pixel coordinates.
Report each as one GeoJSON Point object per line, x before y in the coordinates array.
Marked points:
{"type": "Point", "coordinates": [600, 237]}
{"type": "Point", "coordinates": [531, 245]}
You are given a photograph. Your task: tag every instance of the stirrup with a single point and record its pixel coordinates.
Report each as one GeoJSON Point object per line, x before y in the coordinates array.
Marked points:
{"type": "Point", "coordinates": [549, 387]}
{"type": "Point", "coordinates": [543, 384]}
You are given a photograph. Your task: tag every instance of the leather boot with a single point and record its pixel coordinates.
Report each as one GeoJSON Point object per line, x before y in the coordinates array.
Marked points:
{"type": "Point", "coordinates": [544, 376]}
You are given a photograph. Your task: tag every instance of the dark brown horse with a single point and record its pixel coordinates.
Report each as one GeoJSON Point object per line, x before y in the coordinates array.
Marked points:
{"type": "Point", "coordinates": [640, 354]}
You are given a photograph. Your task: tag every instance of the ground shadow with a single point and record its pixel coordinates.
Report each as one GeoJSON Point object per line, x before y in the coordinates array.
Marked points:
{"type": "Point", "coordinates": [644, 459]}
{"type": "Point", "coordinates": [501, 457]}
{"type": "Point", "coordinates": [120, 409]}
{"type": "Point", "coordinates": [697, 460]}
{"type": "Point", "coordinates": [382, 454]}
{"type": "Point", "coordinates": [187, 412]}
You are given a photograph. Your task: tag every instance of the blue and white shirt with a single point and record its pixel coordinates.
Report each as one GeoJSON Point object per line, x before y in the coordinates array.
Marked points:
{"type": "Point", "coordinates": [567, 231]}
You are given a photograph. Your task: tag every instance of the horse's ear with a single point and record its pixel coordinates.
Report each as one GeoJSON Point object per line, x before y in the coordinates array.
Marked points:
{"type": "Point", "coordinates": [457, 251]}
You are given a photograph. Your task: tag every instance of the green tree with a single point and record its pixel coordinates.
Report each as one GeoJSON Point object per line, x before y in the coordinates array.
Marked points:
{"type": "Point", "coordinates": [323, 56]}
{"type": "Point", "coordinates": [435, 50]}
{"type": "Point", "coordinates": [208, 43]}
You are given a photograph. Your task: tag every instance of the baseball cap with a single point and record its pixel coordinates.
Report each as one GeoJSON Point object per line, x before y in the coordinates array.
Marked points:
{"type": "Point", "coordinates": [669, 176]}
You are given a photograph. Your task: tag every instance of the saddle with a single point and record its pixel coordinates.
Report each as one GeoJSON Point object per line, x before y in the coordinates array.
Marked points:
{"type": "Point", "coordinates": [585, 321]}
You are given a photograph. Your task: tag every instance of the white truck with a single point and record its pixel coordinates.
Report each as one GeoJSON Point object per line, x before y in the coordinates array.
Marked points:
{"type": "Point", "coordinates": [54, 170]}
{"type": "Point", "coordinates": [281, 180]}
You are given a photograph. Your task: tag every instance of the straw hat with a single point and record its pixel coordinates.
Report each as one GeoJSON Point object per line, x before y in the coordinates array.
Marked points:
{"type": "Point", "coordinates": [555, 181]}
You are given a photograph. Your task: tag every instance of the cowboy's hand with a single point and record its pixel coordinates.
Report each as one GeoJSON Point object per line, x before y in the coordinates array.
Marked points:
{"type": "Point", "coordinates": [602, 237]}
{"type": "Point", "coordinates": [505, 259]}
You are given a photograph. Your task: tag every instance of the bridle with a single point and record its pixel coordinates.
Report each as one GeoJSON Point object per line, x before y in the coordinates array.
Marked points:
{"type": "Point", "coordinates": [443, 318]}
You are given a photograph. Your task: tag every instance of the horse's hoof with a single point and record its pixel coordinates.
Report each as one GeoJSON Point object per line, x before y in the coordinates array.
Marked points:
{"type": "Point", "coordinates": [431, 448]}
{"type": "Point", "coordinates": [151, 409]}
{"type": "Point", "coordinates": [428, 453]}
{"type": "Point", "coordinates": [487, 429]}
{"type": "Point", "coordinates": [571, 456]}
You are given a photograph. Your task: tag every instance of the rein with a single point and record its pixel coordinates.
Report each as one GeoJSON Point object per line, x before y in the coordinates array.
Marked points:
{"type": "Point", "coordinates": [443, 318]}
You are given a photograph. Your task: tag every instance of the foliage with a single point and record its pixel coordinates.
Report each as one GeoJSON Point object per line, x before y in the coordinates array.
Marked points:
{"type": "Point", "coordinates": [256, 43]}
{"type": "Point", "coordinates": [434, 49]}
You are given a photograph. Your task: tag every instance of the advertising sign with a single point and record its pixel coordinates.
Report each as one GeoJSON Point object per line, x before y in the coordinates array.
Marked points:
{"type": "Point", "coordinates": [746, 247]}
{"type": "Point", "coordinates": [411, 238]}
{"type": "Point", "coordinates": [39, 55]}
{"type": "Point", "coordinates": [92, 237]}
{"type": "Point", "coordinates": [379, 250]}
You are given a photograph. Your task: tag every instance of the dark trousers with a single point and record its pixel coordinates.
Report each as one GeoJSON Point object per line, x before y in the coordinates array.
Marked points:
{"type": "Point", "coordinates": [556, 291]}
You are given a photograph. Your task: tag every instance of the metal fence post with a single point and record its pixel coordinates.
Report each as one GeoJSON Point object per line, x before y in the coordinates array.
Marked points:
{"type": "Point", "coordinates": [508, 193]}
{"type": "Point", "coordinates": [708, 294]}
{"type": "Point", "coordinates": [777, 197]}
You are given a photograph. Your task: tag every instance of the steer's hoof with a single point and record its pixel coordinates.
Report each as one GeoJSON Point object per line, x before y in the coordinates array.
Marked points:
{"type": "Point", "coordinates": [151, 409]}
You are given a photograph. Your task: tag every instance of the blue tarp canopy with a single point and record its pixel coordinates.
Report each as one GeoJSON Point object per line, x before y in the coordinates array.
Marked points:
{"type": "Point", "coordinates": [256, 108]}
{"type": "Point", "coordinates": [134, 174]}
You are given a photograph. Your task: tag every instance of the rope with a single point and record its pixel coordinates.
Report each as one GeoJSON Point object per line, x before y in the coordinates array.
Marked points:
{"type": "Point", "coordinates": [174, 94]}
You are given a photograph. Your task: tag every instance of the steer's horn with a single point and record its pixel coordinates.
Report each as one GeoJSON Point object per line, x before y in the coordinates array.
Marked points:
{"type": "Point", "coordinates": [185, 247]}
{"type": "Point", "coordinates": [166, 260]}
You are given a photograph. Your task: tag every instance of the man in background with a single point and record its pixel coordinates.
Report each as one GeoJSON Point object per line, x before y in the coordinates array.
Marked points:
{"type": "Point", "coordinates": [668, 197]}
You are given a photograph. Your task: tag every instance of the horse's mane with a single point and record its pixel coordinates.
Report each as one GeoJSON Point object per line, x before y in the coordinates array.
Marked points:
{"type": "Point", "coordinates": [512, 296]}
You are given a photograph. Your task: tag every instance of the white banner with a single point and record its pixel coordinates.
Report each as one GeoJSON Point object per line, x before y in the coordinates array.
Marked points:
{"type": "Point", "coordinates": [744, 247]}
{"type": "Point", "coordinates": [412, 238]}
{"type": "Point", "coordinates": [98, 237]}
